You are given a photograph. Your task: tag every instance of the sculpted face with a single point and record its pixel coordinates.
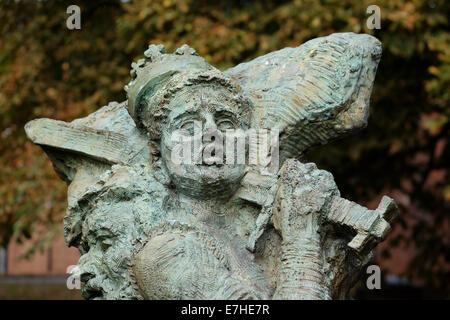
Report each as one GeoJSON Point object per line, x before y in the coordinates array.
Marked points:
{"type": "Point", "coordinates": [198, 122]}
{"type": "Point", "coordinates": [107, 252]}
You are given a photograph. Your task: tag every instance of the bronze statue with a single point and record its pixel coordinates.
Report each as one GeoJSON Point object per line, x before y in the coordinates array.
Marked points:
{"type": "Point", "coordinates": [151, 227]}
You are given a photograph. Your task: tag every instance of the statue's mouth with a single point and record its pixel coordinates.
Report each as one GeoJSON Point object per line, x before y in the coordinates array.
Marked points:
{"type": "Point", "coordinates": [91, 290]}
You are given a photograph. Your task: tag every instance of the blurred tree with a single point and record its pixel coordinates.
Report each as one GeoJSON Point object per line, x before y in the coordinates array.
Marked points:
{"type": "Point", "coordinates": [47, 70]}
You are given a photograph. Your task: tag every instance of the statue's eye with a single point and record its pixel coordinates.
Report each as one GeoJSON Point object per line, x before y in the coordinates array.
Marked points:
{"type": "Point", "coordinates": [188, 126]}
{"type": "Point", "coordinates": [105, 243]}
{"type": "Point", "coordinates": [223, 125]}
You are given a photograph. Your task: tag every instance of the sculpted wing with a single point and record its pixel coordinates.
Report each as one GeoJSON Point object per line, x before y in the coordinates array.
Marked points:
{"type": "Point", "coordinates": [108, 136]}
{"type": "Point", "coordinates": [85, 149]}
{"type": "Point", "coordinates": [314, 93]}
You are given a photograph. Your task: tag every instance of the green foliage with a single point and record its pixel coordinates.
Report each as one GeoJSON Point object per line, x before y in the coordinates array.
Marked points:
{"type": "Point", "coordinates": [47, 70]}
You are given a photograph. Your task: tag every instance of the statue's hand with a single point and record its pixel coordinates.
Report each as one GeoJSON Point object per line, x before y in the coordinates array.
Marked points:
{"type": "Point", "coordinates": [304, 195]}
{"type": "Point", "coordinates": [303, 199]}
{"type": "Point", "coordinates": [316, 261]}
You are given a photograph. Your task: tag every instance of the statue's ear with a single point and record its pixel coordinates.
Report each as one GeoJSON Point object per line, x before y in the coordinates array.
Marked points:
{"type": "Point", "coordinates": [106, 137]}
{"type": "Point", "coordinates": [313, 93]}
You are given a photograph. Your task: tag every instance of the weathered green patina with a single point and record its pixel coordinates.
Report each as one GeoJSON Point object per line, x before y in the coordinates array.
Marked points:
{"type": "Point", "coordinates": [150, 228]}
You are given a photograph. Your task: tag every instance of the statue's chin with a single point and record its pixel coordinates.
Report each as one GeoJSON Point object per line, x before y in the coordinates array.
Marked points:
{"type": "Point", "coordinates": [205, 182]}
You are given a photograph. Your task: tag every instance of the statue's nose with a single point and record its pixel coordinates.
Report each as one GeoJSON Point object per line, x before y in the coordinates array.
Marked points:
{"type": "Point", "coordinates": [86, 267]}
{"type": "Point", "coordinates": [209, 124]}
{"type": "Point", "coordinates": [86, 275]}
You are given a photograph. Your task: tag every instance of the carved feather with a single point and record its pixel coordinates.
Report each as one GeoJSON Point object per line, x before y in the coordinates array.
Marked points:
{"type": "Point", "coordinates": [313, 93]}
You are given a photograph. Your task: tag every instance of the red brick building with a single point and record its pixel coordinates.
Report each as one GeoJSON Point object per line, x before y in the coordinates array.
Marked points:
{"type": "Point", "coordinates": [51, 262]}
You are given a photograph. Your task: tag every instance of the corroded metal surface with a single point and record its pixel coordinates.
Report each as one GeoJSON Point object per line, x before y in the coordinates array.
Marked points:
{"type": "Point", "coordinates": [151, 228]}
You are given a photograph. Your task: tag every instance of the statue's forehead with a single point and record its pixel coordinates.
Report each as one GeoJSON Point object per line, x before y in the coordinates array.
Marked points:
{"type": "Point", "coordinates": [202, 91]}
{"type": "Point", "coordinates": [101, 221]}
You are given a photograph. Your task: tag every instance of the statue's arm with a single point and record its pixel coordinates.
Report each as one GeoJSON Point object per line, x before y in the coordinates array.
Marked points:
{"type": "Point", "coordinates": [325, 238]}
